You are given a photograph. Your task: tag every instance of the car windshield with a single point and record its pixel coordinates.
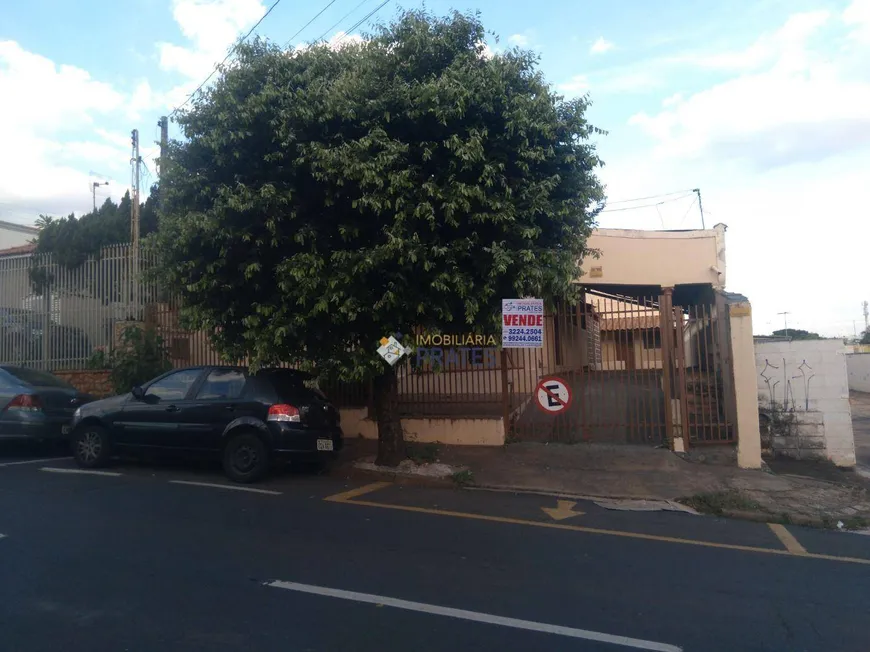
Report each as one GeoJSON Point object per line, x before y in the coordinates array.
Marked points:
{"type": "Point", "coordinates": [38, 378]}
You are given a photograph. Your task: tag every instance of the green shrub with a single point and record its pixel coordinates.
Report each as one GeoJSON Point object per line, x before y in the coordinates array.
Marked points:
{"type": "Point", "coordinates": [141, 356]}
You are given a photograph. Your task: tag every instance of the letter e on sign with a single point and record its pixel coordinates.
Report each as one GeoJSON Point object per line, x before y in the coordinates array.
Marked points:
{"type": "Point", "coordinates": [553, 395]}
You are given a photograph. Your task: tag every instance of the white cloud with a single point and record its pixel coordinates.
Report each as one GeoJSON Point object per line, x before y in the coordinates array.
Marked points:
{"type": "Point", "coordinates": [792, 104]}
{"type": "Point", "coordinates": [601, 46]}
{"type": "Point", "coordinates": [51, 103]}
{"type": "Point", "coordinates": [577, 85]}
{"type": "Point", "coordinates": [212, 26]}
{"type": "Point", "coordinates": [857, 18]}
{"type": "Point", "coordinates": [520, 40]}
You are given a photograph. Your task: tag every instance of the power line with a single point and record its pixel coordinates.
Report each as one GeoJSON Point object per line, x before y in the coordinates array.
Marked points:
{"type": "Point", "coordinates": [316, 16]}
{"type": "Point", "coordinates": [363, 19]}
{"type": "Point", "coordinates": [687, 212]}
{"type": "Point", "coordinates": [634, 208]}
{"type": "Point", "coordinates": [229, 54]}
{"type": "Point", "coordinates": [667, 194]}
{"type": "Point", "coordinates": [340, 20]}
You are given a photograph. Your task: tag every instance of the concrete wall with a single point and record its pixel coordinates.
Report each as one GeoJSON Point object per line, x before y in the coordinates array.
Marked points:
{"type": "Point", "coordinates": [745, 396]}
{"type": "Point", "coordinates": [858, 366]}
{"type": "Point", "coordinates": [803, 395]}
{"type": "Point", "coordinates": [665, 258]}
{"type": "Point", "coordinates": [471, 432]}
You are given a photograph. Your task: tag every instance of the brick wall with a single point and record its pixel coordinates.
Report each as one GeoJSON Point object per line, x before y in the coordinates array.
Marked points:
{"type": "Point", "coordinates": [806, 383]}
{"type": "Point", "coordinates": [95, 382]}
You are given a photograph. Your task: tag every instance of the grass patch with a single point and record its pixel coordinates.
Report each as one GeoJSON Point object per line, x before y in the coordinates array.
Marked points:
{"type": "Point", "coordinates": [463, 478]}
{"type": "Point", "coordinates": [422, 453]}
{"type": "Point", "coordinates": [719, 502]}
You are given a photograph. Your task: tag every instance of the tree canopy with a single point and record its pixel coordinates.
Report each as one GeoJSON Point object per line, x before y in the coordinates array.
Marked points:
{"type": "Point", "coordinates": [71, 240]}
{"type": "Point", "coordinates": [324, 198]}
{"type": "Point", "coordinates": [797, 334]}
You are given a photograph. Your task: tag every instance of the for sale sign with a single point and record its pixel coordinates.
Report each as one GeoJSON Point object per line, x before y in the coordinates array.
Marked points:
{"type": "Point", "coordinates": [522, 323]}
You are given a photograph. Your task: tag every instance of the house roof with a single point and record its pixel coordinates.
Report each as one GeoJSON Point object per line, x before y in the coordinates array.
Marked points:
{"type": "Point", "coordinates": [20, 250]}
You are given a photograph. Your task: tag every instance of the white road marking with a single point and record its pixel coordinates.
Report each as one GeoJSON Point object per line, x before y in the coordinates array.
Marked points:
{"type": "Point", "coordinates": [216, 485]}
{"type": "Point", "coordinates": [42, 461]}
{"type": "Point", "coordinates": [624, 641]}
{"type": "Point", "coordinates": [52, 469]}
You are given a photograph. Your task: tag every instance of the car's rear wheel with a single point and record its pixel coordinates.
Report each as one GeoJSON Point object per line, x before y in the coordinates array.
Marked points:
{"type": "Point", "coordinates": [246, 458]}
{"type": "Point", "coordinates": [91, 446]}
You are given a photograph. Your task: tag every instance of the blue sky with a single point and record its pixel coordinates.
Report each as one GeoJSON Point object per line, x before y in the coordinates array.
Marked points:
{"type": "Point", "coordinates": [764, 105]}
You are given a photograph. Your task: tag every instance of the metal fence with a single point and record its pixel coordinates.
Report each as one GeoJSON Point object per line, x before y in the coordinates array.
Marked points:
{"type": "Point", "coordinates": [52, 317]}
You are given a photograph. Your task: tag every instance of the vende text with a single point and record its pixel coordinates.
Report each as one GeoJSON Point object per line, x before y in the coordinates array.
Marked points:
{"type": "Point", "coordinates": [523, 320]}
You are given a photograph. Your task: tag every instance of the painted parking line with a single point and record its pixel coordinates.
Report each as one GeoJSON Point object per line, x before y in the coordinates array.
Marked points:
{"type": "Point", "coordinates": [233, 487]}
{"type": "Point", "coordinates": [791, 544]}
{"type": "Point", "coordinates": [347, 498]}
{"type": "Point", "coordinates": [40, 461]}
{"type": "Point", "coordinates": [54, 469]}
{"type": "Point", "coordinates": [476, 616]}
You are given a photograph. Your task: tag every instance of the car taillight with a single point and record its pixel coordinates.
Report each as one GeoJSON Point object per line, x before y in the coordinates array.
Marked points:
{"type": "Point", "coordinates": [283, 412]}
{"type": "Point", "coordinates": [25, 402]}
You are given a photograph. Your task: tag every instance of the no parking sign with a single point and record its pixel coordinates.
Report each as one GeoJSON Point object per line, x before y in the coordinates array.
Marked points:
{"type": "Point", "coordinates": [553, 395]}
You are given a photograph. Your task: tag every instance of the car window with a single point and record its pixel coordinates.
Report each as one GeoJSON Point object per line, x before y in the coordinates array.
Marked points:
{"type": "Point", "coordinates": [175, 386]}
{"type": "Point", "coordinates": [35, 377]}
{"type": "Point", "coordinates": [222, 384]}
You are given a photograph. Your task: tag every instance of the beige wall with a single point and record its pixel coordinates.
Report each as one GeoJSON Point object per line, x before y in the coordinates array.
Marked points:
{"type": "Point", "coordinates": [665, 258]}
{"type": "Point", "coordinates": [458, 431]}
{"type": "Point", "coordinates": [746, 394]}
{"type": "Point", "coordinates": [858, 365]}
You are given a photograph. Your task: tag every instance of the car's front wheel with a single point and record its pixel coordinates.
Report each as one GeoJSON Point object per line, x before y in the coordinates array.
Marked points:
{"type": "Point", "coordinates": [91, 446]}
{"type": "Point", "coordinates": [246, 458]}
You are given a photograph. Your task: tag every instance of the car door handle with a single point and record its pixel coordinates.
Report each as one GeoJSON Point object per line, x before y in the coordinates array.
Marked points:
{"type": "Point", "coordinates": [231, 408]}
{"type": "Point", "coordinates": [172, 408]}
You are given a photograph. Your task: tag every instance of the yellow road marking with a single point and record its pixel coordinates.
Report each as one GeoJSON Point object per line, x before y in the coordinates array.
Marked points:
{"type": "Point", "coordinates": [344, 498]}
{"type": "Point", "coordinates": [791, 544]}
{"type": "Point", "coordinates": [564, 509]}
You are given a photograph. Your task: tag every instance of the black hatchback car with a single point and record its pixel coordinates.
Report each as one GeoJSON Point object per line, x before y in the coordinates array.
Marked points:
{"type": "Point", "coordinates": [247, 419]}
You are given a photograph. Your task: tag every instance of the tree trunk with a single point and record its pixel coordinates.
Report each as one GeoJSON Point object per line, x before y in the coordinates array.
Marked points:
{"type": "Point", "coordinates": [391, 440]}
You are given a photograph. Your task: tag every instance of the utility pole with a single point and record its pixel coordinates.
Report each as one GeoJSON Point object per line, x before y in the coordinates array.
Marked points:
{"type": "Point", "coordinates": [697, 191]}
{"type": "Point", "coordinates": [94, 186]}
{"type": "Point", "coordinates": [785, 318]}
{"type": "Point", "coordinates": [866, 316]}
{"type": "Point", "coordinates": [163, 123]}
{"type": "Point", "coordinates": [135, 161]}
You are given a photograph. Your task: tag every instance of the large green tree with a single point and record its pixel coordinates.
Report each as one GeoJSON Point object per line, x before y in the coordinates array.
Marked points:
{"type": "Point", "coordinates": [324, 198]}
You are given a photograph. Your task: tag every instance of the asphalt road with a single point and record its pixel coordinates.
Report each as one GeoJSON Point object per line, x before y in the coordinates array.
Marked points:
{"type": "Point", "coordinates": [140, 560]}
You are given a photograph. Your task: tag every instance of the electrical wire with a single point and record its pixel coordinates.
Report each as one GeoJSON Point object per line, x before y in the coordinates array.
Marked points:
{"type": "Point", "coordinates": [695, 201]}
{"type": "Point", "coordinates": [339, 21]}
{"type": "Point", "coordinates": [362, 20]}
{"type": "Point", "coordinates": [634, 208]}
{"type": "Point", "coordinates": [667, 194]}
{"type": "Point", "coordinates": [229, 54]}
{"type": "Point", "coordinates": [316, 16]}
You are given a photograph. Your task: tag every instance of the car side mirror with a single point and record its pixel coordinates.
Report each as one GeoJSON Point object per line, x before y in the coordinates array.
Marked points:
{"type": "Point", "coordinates": [138, 393]}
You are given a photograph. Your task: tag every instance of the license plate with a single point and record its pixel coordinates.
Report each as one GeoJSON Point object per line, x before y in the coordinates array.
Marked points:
{"type": "Point", "coordinates": [64, 430]}
{"type": "Point", "coordinates": [324, 444]}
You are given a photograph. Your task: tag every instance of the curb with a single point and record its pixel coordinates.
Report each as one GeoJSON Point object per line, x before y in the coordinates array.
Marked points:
{"type": "Point", "coordinates": [401, 479]}
{"type": "Point", "coordinates": [667, 505]}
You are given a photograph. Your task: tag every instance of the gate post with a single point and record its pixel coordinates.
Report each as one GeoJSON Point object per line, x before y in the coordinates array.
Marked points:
{"type": "Point", "coordinates": [666, 327]}
{"type": "Point", "coordinates": [505, 396]}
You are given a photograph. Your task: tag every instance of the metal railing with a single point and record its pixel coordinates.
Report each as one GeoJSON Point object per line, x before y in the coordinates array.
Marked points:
{"type": "Point", "coordinates": [52, 317]}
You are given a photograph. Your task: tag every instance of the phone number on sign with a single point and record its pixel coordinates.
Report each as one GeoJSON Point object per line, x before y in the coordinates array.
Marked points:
{"type": "Point", "coordinates": [532, 339]}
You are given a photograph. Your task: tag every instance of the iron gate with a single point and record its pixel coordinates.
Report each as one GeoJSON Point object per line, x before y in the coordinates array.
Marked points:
{"type": "Point", "coordinates": [638, 370]}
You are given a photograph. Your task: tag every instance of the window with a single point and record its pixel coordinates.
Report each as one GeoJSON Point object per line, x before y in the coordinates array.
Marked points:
{"type": "Point", "coordinates": [652, 338]}
{"type": "Point", "coordinates": [222, 384]}
{"type": "Point", "coordinates": [175, 386]}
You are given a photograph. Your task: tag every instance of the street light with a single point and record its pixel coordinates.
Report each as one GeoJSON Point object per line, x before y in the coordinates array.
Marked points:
{"type": "Point", "coordinates": [94, 191]}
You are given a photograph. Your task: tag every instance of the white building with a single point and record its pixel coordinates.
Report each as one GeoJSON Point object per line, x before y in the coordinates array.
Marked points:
{"type": "Point", "coordinates": [15, 235]}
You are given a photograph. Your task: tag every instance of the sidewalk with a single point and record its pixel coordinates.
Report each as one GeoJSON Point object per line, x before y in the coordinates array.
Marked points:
{"type": "Point", "coordinates": [710, 479]}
